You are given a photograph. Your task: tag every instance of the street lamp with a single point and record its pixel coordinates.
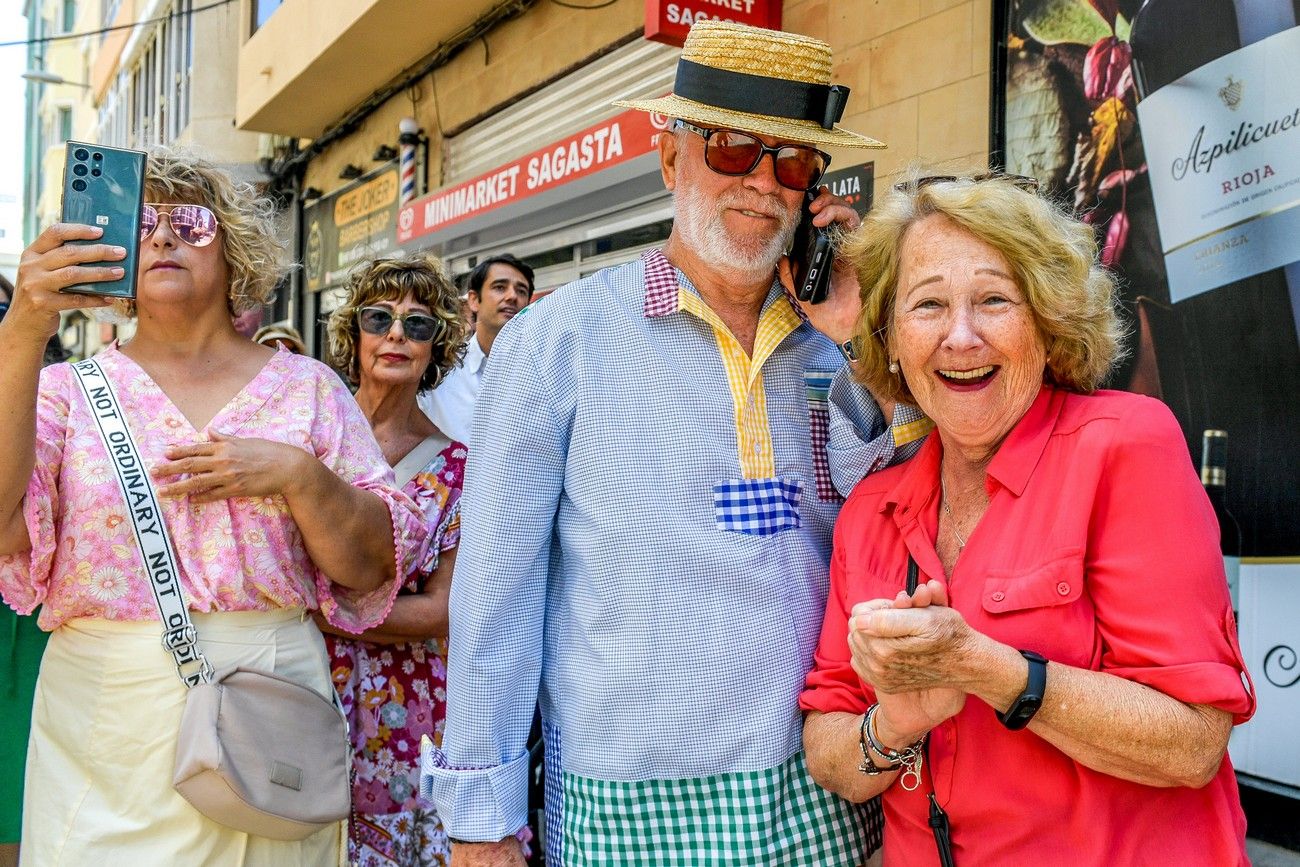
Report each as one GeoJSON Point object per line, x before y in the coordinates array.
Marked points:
{"type": "Point", "coordinates": [43, 77]}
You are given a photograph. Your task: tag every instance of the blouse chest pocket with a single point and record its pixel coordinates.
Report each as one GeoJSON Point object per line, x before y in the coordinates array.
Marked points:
{"type": "Point", "coordinates": [1043, 608]}
{"type": "Point", "coordinates": [1057, 582]}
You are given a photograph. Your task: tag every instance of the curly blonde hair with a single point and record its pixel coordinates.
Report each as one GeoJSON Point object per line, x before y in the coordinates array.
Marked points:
{"type": "Point", "coordinates": [254, 251]}
{"type": "Point", "coordinates": [428, 283]}
{"type": "Point", "coordinates": [1052, 256]}
{"type": "Point", "coordinates": [255, 255]}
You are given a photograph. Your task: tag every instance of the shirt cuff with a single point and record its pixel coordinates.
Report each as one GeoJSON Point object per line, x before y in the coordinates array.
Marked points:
{"type": "Point", "coordinates": [908, 430]}
{"type": "Point", "coordinates": [1216, 684]}
{"type": "Point", "coordinates": [476, 805]}
{"type": "Point", "coordinates": [858, 442]}
{"type": "Point", "coordinates": [355, 611]}
{"type": "Point", "coordinates": [25, 575]}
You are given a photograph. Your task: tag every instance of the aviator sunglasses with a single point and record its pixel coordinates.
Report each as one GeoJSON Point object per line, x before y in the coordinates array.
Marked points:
{"type": "Point", "coordinates": [729, 152]}
{"type": "Point", "coordinates": [419, 327]}
{"type": "Point", "coordinates": [193, 224]}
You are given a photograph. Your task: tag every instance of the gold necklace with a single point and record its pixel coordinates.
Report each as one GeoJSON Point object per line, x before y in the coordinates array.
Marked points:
{"type": "Point", "coordinates": [961, 543]}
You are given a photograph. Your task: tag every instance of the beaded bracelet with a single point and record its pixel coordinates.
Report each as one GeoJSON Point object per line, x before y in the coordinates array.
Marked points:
{"type": "Point", "coordinates": [910, 759]}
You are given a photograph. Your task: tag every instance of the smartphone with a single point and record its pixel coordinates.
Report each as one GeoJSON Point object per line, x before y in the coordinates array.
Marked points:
{"type": "Point", "coordinates": [104, 186]}
{"type": "Point", "coordinates": [811, 257]}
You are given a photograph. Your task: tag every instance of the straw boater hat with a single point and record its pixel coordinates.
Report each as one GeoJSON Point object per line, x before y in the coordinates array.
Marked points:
{"type": "Point", "coordinates": [760, 81]}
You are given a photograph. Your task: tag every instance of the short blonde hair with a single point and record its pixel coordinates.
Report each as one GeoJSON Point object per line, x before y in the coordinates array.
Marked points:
{"type": "Point", "coordinates": [254, 251]}
{"type": "Point", "coordinates": [1052, 256]}
{"type": "Point", "coordinates": [426, 281]}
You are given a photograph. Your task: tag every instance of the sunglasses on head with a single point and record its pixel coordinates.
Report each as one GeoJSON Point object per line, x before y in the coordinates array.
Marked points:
{"type": "Point", "coordinates": [730, 152]}
{"type": "Point", "coordinates": [1023, 182]}
{"type": "Point", "coordinates": [420, 327]}
{"type": "Point", "coordinates": [193, 224]}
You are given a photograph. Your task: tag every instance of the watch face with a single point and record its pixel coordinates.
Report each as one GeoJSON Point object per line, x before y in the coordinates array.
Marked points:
{"type": "Point", "coordinates": [1024, 711]}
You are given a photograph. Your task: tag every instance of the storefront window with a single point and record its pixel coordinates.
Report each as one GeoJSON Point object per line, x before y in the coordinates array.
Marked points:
{"type": "Point", "coordinates": [640, 236]}
{"type": "Point", "coordinates": [557, 256]}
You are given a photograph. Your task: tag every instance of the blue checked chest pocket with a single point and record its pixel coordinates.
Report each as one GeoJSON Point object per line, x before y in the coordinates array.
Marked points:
{"type": "Point", "coordinates": [757, 507]}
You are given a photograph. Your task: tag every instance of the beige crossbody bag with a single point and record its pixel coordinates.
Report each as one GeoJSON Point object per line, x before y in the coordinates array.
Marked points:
{"type": "Point", "coordinates": [256, 752]}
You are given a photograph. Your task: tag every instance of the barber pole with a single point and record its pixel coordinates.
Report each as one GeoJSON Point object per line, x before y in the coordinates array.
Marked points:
{"type": "Point", "coordinates": [410, 136]}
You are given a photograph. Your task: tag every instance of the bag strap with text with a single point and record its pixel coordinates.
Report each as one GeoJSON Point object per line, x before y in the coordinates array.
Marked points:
{"type": "Point", "coordinates": [159, 555]}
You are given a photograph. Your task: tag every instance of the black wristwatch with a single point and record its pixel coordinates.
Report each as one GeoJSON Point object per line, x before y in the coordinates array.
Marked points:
{"type": "Point", "coordinates": [1022, 710]}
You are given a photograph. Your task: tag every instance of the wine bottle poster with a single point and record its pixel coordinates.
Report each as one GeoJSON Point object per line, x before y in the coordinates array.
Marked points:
{"type": "Point", "coordinates": [1223, 143]}
{"type": "Point", "coordinates": [1136, 114]}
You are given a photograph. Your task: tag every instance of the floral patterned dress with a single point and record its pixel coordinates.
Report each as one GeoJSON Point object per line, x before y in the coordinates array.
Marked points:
{"type": "Point", "coordinates": [394, 694]}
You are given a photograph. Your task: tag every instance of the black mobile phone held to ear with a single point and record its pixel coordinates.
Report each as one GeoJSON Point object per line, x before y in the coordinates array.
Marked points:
{"type": "Point", "coordinates": [811, 257]}
{"type": "Point", "coordinates": [104, 186]}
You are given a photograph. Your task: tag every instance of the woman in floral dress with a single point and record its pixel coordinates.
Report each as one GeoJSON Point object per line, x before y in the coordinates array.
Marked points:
{"type": "Point", "coordinates": [398, 334]}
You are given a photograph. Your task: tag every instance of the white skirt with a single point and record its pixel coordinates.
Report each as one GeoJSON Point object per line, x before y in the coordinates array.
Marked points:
{"type": "Point", "coordinates": [104, 724]}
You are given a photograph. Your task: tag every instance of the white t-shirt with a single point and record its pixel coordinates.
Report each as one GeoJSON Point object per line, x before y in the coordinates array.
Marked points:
{"type": "Point", "coordinates": [451, 405]}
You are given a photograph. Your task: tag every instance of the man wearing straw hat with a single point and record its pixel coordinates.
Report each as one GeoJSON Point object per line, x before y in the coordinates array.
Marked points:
{"type": "Point", "coordinates": [647, 517]}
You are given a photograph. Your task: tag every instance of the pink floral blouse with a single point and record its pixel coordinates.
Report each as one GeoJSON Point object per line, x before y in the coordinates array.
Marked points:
{"type": "Point", "coordinates": [242, 554]}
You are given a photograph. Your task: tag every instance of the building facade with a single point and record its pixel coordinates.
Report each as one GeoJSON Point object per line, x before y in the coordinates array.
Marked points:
{"type": "Point", "coordinates": [497, 84]}
{"type": "Point", "coordinates": [59, 103]}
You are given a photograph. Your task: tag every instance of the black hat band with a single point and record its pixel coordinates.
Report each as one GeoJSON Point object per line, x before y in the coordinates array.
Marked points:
{"type": "Point", "coordinates": [822, 104]}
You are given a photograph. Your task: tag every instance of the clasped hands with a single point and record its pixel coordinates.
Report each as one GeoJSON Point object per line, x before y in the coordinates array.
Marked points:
{"type": "Point", "coordinates": [227, 467]}
{"type": "Point", "coordinates": [909, 649]}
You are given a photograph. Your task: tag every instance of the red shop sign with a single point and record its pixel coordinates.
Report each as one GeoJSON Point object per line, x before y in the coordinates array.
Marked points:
{"type": "Point", "coordinates": [669, 20]}
{"type": "Point", "coordinates": [617, 140]}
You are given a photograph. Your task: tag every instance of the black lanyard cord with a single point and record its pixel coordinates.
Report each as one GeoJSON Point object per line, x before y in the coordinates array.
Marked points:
{"type": "Point", "coordinates": [939, 825]}
{"type": "Point", "coordinates": [938, 818]}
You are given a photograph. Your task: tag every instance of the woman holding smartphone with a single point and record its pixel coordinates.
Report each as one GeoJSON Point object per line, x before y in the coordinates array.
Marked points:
{"type": "Point", "coordinates": [21, 646]}
{"type": "Point", "coordinates": [277, 498]}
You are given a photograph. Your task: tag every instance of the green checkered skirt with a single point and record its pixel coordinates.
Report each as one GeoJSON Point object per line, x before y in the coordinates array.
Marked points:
{"type": "Point", "coordinates": [777, 816]}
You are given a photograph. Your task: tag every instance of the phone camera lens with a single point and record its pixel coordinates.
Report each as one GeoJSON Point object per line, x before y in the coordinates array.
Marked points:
{"type": "Point", "coordinates": [99, 156]}
{"type": "Point", "coordinates": [79, 185]}
{"type": "Point", "coordinates": [81, 154]}
{"type": "Point", "coordinates": [95, 172]}
{"type": "Point", "coordinates": [79, 170]}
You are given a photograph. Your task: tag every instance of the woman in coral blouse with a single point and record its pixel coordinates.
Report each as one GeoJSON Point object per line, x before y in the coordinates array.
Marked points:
{"type": "Point", "coordinates": [1060, 685]}
{"type": "Point", "coordinates": [276, 495]}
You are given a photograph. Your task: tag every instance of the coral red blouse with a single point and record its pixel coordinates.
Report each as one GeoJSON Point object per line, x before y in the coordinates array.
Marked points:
{"type": "Point", "coordinates": [1099, 550]}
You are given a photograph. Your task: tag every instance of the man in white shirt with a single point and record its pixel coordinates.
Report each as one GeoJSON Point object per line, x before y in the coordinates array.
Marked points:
{"type": "Point", "coordinates": [499, 287]}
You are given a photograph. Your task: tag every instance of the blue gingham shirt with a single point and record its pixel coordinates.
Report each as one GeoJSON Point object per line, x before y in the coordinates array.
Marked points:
{"type": "Point", "coordinates": [593, 573]}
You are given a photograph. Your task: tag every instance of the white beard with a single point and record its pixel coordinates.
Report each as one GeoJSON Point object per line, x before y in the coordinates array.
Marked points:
{"type": "Point", "coordinates": [747, 258]}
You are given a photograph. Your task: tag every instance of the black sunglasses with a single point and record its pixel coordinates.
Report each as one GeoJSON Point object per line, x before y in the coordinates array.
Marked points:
{"type": "Point", "coordinates": [1023, 182]}
{"type": "Point", "coordinates": [4, 308]}
{"type": "Point", "coordinates": [730, 152]}
{"type": "Point", "coordinates": [420, 327]}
